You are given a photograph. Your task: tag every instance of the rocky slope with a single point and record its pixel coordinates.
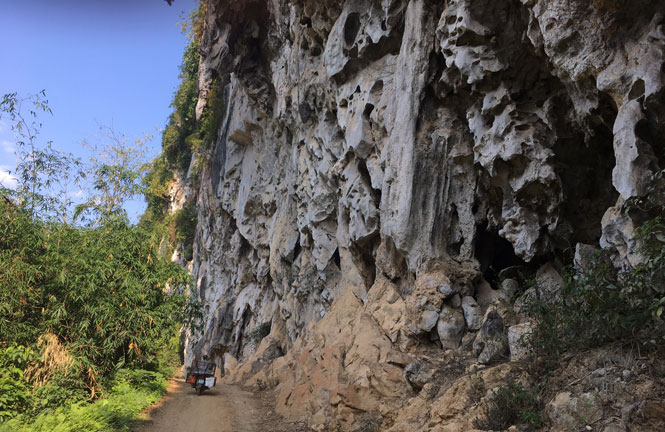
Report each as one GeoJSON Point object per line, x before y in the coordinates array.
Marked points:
{"type": "Point", "coordinates": [386, 173]}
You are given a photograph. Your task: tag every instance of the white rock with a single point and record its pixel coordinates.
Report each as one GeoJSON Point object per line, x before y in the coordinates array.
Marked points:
{"type": "Point", "coordinates": [549, 283]}
{"type": "Point", "coordinates": [428, 320]}
{"type": "Point", "coordinates": [574, 411]}
{"type": "Point", "coordinates": [518, 341]}
{"type": "Point", "coordinates": [486, 295]}
{"type": "Point", "coordinates": [473, 314]}
{"type": "Point", "coordinates": [450, 327]}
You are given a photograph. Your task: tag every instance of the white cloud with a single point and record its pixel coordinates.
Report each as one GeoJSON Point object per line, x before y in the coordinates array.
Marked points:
{"type": "Point", "coordinates": [77, 194]}
{"type": "Point", "coordinates": [8, 147]}
{"type": "Point", "coordinates": [7, 179]}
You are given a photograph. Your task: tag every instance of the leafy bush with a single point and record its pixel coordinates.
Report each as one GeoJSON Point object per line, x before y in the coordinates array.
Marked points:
{"type": "Point", "coordinates": [14, 388]}
{"type": "Point", "coordinates": [213, 114]}
{"type": "Point", "coordinates": [105, 292]}
{"type": "Point", "coordinates": [131, 392]}
{"type": "Point", "coordinates": [157, 189]}
{"type": "Point", "coordinates": [601, 304]}
{"type": "Point", "coordinates": [184, 226]}
{"type": "Point", "coordinates": [512, 404]}
{"type": "Point", "coordinates": [182, 121]}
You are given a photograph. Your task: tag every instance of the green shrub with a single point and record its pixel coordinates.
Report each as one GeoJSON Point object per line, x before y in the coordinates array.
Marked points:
{"type": "Point", "coordinates": [184, 227]}
{"type": "Point", "coordinates": [157, 183]}
{"type": "Point", "coordinates": [260, 332]}
{"type": "Point", "coordinates": [132, 390]}
{"type": "Point", "coordinates": [601, 304]}
{"type": "Point", "coordinates": [182, 121]}
{"type": "Point", "coordinates": [14, 388]}
{"type": "Point", "coordinates": [512, 404]}
{"type": "Point", "coordinates": [102, 292]}
{"type": "Point", "coordinates": [213, 114]}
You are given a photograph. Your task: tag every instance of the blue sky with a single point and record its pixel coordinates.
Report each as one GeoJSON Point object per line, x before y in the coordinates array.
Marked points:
{"type": "Point", "coordinates": [101, 62]}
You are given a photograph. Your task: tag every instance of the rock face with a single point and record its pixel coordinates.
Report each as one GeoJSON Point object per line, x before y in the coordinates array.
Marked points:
{"type": "Point", "coordinates": [380, 163]}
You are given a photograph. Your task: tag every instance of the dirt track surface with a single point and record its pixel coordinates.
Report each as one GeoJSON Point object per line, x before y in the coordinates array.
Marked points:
{"type": "Point", "coordinates": [223, 408]}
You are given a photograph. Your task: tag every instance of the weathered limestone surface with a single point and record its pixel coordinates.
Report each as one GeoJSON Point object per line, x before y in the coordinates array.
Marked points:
{"type": "Point", "coordinates": [382, 163]}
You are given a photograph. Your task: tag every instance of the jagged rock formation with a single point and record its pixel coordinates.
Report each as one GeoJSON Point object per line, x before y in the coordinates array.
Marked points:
{"type": "Point", "coordinates": [380, 163]}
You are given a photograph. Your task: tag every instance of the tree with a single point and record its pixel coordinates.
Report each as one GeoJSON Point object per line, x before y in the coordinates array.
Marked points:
{"type": "Point", "coordinates": [44, 175]}
{"type": "Point", "coordinates": [117, 169]}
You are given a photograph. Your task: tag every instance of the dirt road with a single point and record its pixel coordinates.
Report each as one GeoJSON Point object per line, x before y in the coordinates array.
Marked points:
{"type": "Point", "coordinates": [223, 408]}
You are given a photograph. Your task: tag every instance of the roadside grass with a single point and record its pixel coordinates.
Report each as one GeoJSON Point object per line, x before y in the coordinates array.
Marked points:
{"type": "Point", "coordinates": [133, 390]}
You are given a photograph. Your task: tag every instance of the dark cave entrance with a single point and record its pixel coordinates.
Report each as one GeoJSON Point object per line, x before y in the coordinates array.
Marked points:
{"type": "Point", "coordinates": [494, 253]}
{"type": "Point", "coordinates": [584, 166]}
{"type": "Point", "coordinates": [364, 256]}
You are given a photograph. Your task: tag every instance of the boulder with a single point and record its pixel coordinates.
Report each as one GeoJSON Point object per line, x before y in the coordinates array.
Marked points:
{"type": "Point", "coordinates": [491, 344]}
{"type": "Point", "coordinates": [486, 295]}
{"type": "Point", "coordinates": [509, 288]}
{"type": "Point", "coordinates": [435, 286]}
{"type": "Point", "coordinates": [518, 341]}
{"type": "Point", "coordinates": [473, 314]}
{"type": "Point", "coordinates": [583, 256]}
{"type": "Point", "coordinates": [455, 301]}
{"type": "Point", "coordinates": [524, 302]}
{"type": "Point", "coordinates": [450, 327]}
{"type": "Point", "coordinates": [387, 308]}
{"type": "Point", "coordinates": [549, 282]}
{"type": "Point", "coordinates": [428, 320]}
{"type": "Point", "coordinates": [418, 374]}
{"type": "Point", "coordinates": [567, 411]}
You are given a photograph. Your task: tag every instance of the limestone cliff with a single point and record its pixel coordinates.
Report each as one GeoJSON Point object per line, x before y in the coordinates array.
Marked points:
{"type": "Point", "coordinates": [382, 169]}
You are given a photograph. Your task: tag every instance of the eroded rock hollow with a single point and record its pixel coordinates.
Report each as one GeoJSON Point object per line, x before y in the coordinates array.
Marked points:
{"type": "Point", "coordinates": [385, 171]}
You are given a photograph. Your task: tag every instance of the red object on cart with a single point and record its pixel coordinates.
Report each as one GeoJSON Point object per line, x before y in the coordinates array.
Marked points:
{"type": "Point", "coordinates": [191, 379]}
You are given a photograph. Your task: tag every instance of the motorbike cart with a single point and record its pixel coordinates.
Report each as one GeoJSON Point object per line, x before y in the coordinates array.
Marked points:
{"type": "Point", "coordinates": [202, 376]}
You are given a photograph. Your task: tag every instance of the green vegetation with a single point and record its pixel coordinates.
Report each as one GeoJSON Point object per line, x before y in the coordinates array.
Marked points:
{"type": "Point", "coordinates": [88, 312]}
{"type": "Point", "coordinates": [130, 392]}
{"type": "Point", "coordinates": [90, 307]}
{"type": "Point", "coordinates": [213, 114]}
{"type": "Point", "coordinates": [183, 137]}
{"type": "Point", "coordinates": [102, 290]}
{"type": "Point", "coordinates": [208, 126]}
{"type": "Point", "coordinates": [194, 23]}
{"type": "Point", "coordinates": [257, 335]}
{"type": "Point", "coordinates": [601, 304]}
{"type": "Point", "coordinates": [156, 191]}
{"type": "Point", "coordinates": [116, 172]}
{"type": "Point", "coordinates": [512, 404]}
{"type": "Point", "coordinates": [181, 126]}
{"type": "Point", "coordinates": [183, 226]}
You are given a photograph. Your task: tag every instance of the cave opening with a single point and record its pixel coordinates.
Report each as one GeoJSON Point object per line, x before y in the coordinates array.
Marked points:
{"type": "Point", "coordinates": [351, 27]}
{"type": "Point", "coordinates": [494, 253]}
{"type": "Point", "coordinates": [650, 131]}
{"type": "Point", "coordinates": [364, 256]}
{"type": "Point", "coordinates": [336, 259]}
{"type": "Point", "coordinates": [584, 165]}
{"type": "Point", "coordinates": [296, 249]}
{"type": "Point", "coordinates": [368, 110]}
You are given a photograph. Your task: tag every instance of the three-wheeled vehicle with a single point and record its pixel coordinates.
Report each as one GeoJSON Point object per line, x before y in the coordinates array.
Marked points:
{"type": "Point", "coordinates": [202, 375]}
